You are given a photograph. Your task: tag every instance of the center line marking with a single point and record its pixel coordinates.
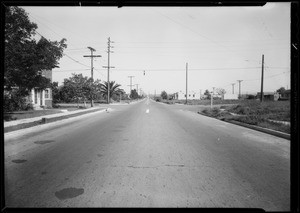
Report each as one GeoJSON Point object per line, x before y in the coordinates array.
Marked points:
{"type": "Point", "coordinates": [147, 111]}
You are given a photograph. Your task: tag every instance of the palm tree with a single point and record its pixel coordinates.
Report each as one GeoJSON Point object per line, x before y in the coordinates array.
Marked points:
{"type": "Point", "coordinates": [113, 89]}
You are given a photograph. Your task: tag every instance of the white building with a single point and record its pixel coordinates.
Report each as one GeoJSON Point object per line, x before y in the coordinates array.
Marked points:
{"type": "Point", "coordinates": [41, 98]}
{"type": "Point", "coordinates": [230, 96]}
{"type": "Point", "coordinates": [192, 95]}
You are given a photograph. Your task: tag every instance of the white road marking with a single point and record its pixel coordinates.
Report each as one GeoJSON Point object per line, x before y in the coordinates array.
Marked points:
{"type": "Point", "coordinates": [147, 111]}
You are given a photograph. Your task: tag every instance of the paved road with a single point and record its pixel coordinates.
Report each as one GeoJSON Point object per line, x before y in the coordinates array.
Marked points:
{"type": "Point", "coordinates": [147, 154]}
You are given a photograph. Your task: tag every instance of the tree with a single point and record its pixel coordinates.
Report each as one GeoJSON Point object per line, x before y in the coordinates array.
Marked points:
{"type": "Point", "coordinates": [164, 95]}
{"type": "Point", "coordinates": [25, 57]}
{"type": "Point", "coordinates": [221, 92]}
{"type": "Point", "coordinates": [207, 93]}
{"type": "Point", "coordinates": [56, 98]}
{"type": "Point", "coordinates": [78, 88]}
{"type": "Point", "coordinates": [281, 90]}
{"type": "Point", "coordinates": [113, 89]}
{"type": "Point", "coordinates": [134, 95]}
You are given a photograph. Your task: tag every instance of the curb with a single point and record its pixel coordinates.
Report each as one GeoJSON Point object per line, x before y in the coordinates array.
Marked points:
{"type": "Point", "coordinates": [257, 128]}
{"type": "Point", "coordinates": [42, 126]}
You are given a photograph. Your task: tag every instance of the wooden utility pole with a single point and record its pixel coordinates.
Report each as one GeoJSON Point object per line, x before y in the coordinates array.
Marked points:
{"type": "Point", "coordinates": [240, 88]}
{"type": "Point", "coordinates": [108, 67]}
{"type": "Point", "coordinates": [186, 78]}
{"type": "Point", "coordinates": [262, 80]}
{"type": "Point", "coordinates": [212, 97]}
{"type": "Point", "coordinates": [130, 84]}
{"type": "Point", "coordinates": [92, 73]}
{"type": "Point", "coordinates": [232, 88]}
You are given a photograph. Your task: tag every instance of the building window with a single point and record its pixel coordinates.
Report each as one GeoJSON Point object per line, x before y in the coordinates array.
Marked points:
{"type": "Point", "coordinates": [46, 94]}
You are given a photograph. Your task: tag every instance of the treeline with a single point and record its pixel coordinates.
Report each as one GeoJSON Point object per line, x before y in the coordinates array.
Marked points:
{"type": "Point", "coordinates": [80, 89]}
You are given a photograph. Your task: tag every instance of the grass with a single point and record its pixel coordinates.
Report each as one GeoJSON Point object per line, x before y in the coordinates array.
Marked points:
{"type": "Point", "coordinates": [49, 120]}
{"type": "Point", "coordinates": [28, 114]}
{"type": "Point", "coordinates": [202, 102]}
{"type": "Point", "coordinates": [37, 113]}
{"type": "Point", "coordinates": [255, 113]}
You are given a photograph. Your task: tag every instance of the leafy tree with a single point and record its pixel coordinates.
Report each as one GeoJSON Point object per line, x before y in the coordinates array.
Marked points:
{"type": "Point", "coordinates": [281, 90]}
{"type": "Point", "coordinates": [113, 89]}
{"type": "Point", "coordinates": [134, 95]}
{"type": "Point", "coordinates": [164, 95]}
{"type": "Point", "coordinates": [78, 88]}
{"type": "Point", "coordinates": [221, 91]}
{"type": "Point", "coordinates": [207, 93]}
{"type": "Point", "coordinates": [25, 57]}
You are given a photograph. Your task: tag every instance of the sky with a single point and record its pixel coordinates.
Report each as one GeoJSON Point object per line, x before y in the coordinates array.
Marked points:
{"type": "Point", "coordinates": [217, 45]}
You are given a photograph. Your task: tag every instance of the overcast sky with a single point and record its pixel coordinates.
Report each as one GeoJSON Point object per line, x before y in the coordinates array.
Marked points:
{"type": "Point", "coordinates": [220, 44]}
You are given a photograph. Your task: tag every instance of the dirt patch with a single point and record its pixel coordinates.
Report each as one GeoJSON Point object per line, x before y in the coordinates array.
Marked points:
{"type": "Point", "coordinates": [44, 142]}
{"type": "Point", "coordinates": [19, 161]}
{"type": "Point", "coordinates": [68, 193]}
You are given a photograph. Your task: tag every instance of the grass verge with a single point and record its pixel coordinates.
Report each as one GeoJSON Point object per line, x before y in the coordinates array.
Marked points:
{"type": "Point", "coordinates": [49, 120]}
{"type": "Point", "coordinates": [254, 113]}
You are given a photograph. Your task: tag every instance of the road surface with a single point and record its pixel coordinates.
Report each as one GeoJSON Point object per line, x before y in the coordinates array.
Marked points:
{"type": "Point", "coordinates": [147, 154]}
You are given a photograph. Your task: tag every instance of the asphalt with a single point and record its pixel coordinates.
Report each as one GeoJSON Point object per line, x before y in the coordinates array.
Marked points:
{"type": "Point", "coordinates": [147, 155]}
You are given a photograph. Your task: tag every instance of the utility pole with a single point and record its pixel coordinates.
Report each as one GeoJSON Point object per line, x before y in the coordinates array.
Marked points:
{"type": "Point", "coordinates": [108, 67]}
{"type": "Point", "coordinates": [240, 88]}
{"type": "Point", "coordinates": [130, 83]}
{"type": "Point", "coordinates": [211, 97]}
{"type": "Point", "coordinates": [262, 80]}
{"type": "Point", "coordinates": [232, 88]}
{"type": "Point", "coordinates": [200, 94]}
{"type": "Point", "coordinates": [92, 74]}
{"type": "Point", "coordinates": [186, 78]}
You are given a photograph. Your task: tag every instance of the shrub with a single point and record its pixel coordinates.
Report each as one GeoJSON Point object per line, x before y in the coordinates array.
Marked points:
{"type": "Point", "coordinates": [14, 101]}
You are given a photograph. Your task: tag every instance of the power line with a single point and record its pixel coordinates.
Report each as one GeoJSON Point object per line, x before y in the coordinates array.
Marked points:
{"type": "Point", "coordinates": [228, 68]}
{"type": "Point", "coordinates": [75, 60]}
{"type": "Point", "coordinates": [71, 70]}
{"type": "Point", "coordinates": [64, 53]}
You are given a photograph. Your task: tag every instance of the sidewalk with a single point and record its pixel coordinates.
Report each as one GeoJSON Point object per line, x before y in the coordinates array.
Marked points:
{"type": "Point", "coordinates": [65, 113]}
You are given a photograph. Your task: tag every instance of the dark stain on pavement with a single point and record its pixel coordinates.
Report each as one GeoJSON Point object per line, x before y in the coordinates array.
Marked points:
{"type": "Point", "coordinates": [125, 139]}
{"type": "Point", "coordinates": [99, 155]}
{"type": "Point", "coordinates": [89, 161]}
{"type": "Point", "coordinates": [68, 193]}
{"type": "Point", "coordinates": [117, 130]}
{"type": "Point", "coordinates": [44, 141]}
{"type": "Point", "coordinates": [44, 172]}
{"type": "Point", "coordinates": [19, 161]}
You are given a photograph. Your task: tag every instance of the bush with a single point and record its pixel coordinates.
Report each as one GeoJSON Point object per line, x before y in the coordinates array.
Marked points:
{"type": "Point", "coordinates": [14, 101]}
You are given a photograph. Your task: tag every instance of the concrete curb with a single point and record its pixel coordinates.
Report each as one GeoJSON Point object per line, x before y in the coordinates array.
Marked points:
{"type": "Point", "coordinates": [257, 128]}
{"type": "Point", "coordinates": [41, 127]}
{"type": "Point", "coordinates": [29, 120]}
